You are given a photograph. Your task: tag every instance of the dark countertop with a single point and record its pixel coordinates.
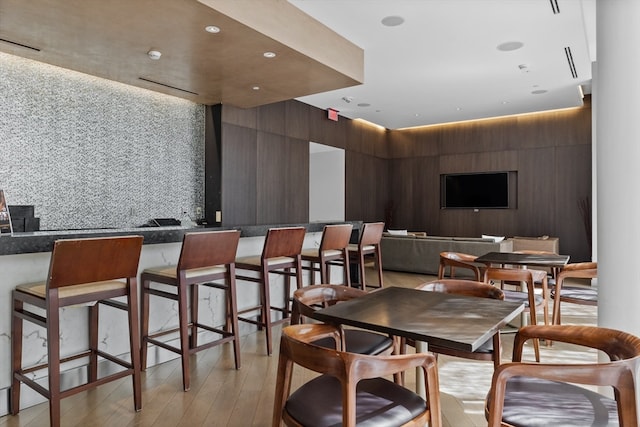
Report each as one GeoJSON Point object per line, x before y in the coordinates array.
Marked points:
{"type": "Point", "coordinates": [42, 241]}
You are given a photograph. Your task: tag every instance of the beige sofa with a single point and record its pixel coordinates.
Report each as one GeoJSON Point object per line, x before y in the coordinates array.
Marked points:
{"type": "Point", "coordinates": [421, 254]}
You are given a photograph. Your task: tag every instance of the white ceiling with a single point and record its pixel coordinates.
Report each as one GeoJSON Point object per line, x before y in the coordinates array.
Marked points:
{"type": "Point", "coordinates": [442, 64]}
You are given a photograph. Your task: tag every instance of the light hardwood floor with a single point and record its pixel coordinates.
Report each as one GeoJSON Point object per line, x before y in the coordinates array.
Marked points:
{"type": "Point", "coordinates": [223, 396]}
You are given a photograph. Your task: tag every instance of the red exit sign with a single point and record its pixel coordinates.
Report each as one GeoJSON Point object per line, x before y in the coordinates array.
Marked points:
{"type": "Point", "coordinates": [332, 114]}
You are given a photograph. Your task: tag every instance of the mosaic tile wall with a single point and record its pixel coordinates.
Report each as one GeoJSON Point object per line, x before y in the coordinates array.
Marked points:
{"type": "Point", "coordinates": [92, 153]}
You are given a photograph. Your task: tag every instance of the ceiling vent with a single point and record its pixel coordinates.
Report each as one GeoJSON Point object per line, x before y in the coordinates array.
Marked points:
{"type": "Point", "coordinates": [166, 85]}
{"type": "Point", "coordinates": [554, 6]}
{"type": "Point", "coordinates": [572, 65]}
{"type": "Point", "coordinates": [20, 44]}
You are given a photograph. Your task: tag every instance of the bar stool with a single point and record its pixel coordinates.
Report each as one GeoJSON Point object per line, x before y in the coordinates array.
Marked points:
{"type": "Point", "coordinates": [280, 254]}
{"type": "Point", "coordinates": [87, 272]}
{"type": "Point", "coordinates": [204, 257]}
{"type": "Point", "coordinates": [332, 251]}
{"type": "Point", "coordinates": [369, 244]}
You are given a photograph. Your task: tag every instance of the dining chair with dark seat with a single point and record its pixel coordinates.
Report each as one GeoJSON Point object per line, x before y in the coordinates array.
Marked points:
{"type": "Point", "coordinates": [454, 260]}
{"type": "Point", "coordinates": [85, 273]}
{"type": "Point", "coordinates": [574, 294]}
{"type": "Point", "coordinates": [309, 298]}
{"type": "Point", "coordinates": [281, 253]}
{"type": "Point", "coordinates": [352, 388]}
{"type": "Point", "coordinates": [540, 394]}
{"type": "Point", "coordinates": [368, 246]}
{"type": "Point", "coordinates": [490, 350]}
{"type": "Point", "coordinates": [332, 251]}
{"type": "Point", "coordinates": [206, 259]}
{"type": "Point", "coordinates": [529, 297]}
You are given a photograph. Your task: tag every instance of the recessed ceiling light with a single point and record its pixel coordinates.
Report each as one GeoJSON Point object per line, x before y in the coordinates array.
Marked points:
{"type": "Point", "coordinates": [256, 88]}
{"type": "Point", "coordinates": [154, 54]}
{"type": "Point", "coordinates": [458, 108]}
{"type": "Point", "coordinates": [509, 46]}
{"type": "Point", "coordinates": [269, 55]}
{"type": "Point", "coordinates": [212, 29]}
{"type": "Point", "coordinates": [538, 92]}
{"type": "Point", "coordinates": [392, 21]}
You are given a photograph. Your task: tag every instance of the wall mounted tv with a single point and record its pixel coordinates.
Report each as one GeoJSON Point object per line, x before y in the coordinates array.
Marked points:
{"type": "Point", "coordinates": [485, 190]}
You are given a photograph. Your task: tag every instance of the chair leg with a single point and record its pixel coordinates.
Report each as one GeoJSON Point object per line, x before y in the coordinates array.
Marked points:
{"type": "Point", "coordinates": [378, 263]}
{"type": "Point", "coordinates": [134, 346]}
{"type": "Point", "coordinates": [194, 294]}
{"type": "Point", "coordinates": [232, 314]}
{"type": "Point", "coordinates": [53, 350]}
{"type": "Point", "coordinates": [16, 356]}
{"type": "Point", "coordinates": [363, 280]}
{"type": "Point", "coordinates": [266, 308]}
{"type": "Point", "coordinates": [144, 324]}
{"type": "Point", "coordinates": [324, 272]}
{"type": "Point", "coordinates": [184, 336]}
{"type": "Point", "coordinates": [287, 293]}
{"type": "Point", "coordinates": [312, 273]}
{"type": "Point", "coordinates": [93, 342]}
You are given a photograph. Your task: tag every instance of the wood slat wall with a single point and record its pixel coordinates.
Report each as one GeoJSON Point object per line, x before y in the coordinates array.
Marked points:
{"type": "Point", "coordinates": [265, 170]}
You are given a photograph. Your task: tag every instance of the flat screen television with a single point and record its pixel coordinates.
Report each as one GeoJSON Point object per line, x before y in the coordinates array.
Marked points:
{"type": "Point", "coordinates": [487, 190]}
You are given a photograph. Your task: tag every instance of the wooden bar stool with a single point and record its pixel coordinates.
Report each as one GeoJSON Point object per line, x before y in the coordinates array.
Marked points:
{"type": "Point", "coordinates": [368, 245]}
{"type": "Point", "coordinates": [88, 272]}
{"type": "Point", "coordinates": [204, 257]}
{"type": "Point", "coordinates": [332, 251]}
{"type": "Point", "coordinates": [280, 254]}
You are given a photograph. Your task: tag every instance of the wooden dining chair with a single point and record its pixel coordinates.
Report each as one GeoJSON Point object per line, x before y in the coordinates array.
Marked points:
{"type": "Point", "coordinates": [537, 394]}
{"type": "Point", "coordinates": [352, 388]}
{"type": "Point", "coordinates": [332, 251]}
{"type": "Point", "coordinates": [308, 299]}
{"type": "Point", "coordinates": [490, 350]}
{"type": "Point", "coordinates": [206, 259]}
{"type": "Point", "coordinates": [281, 254]}
{"type": "Point", "coordinates": [454, 260]}
{"type": "Point", "coordinates": [573, 294]}
{"type": "Point", "coordinates": [368, 246]}
{"type": "Point", "coordinates": [528, 297]}
{"type": "Point", "coordinates": [88, 274]}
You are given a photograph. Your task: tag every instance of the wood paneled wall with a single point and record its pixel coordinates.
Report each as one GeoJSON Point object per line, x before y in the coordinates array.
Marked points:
{"type": "Point", "coordinates": [551, 153]}
{"type": "Point", "coordinates": [265, 167]}
{"type": "Point", "coordinates": [265, 170]}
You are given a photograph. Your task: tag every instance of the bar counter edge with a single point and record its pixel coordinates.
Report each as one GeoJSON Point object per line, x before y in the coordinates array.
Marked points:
{"type": "Point", "coordinates": [42, 241]}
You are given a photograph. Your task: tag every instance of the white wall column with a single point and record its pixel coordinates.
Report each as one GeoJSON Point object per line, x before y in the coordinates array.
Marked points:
{"type": "Point", "coordinates": [617, 139]}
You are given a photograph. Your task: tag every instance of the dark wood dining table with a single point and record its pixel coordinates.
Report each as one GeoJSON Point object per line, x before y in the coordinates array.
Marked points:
{"type": "Point", "coordinates": [454, 321]}
{"type": "Point", "coordinates": [516, 258]}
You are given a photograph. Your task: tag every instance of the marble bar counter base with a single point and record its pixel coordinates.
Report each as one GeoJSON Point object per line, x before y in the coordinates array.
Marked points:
{"type": "Point", "coordinates": [24, 258]}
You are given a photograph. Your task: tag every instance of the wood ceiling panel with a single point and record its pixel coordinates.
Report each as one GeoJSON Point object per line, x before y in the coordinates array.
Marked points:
{"type": "Point", "coordinates": [110, 39]}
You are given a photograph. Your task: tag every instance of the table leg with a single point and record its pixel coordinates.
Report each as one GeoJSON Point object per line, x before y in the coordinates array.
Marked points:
{"type": "Point", "coordinates": [421, 347]}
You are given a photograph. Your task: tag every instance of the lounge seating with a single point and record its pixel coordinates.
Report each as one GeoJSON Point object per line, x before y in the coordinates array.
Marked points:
{"type": "Point", "coordinates": [421, 254]}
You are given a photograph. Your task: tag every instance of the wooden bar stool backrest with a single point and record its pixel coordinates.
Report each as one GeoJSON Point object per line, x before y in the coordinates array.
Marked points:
{"type": "Point", "coordinates": [371, 234]}
{"type": "Point", "coordinates": [78, 261]}
{"type": "Point", "coordinates": [207, 249]}
{"type": "Point", "coordinates": [283, 242]}
{"type": "Point", "coordinates": [335, 237]}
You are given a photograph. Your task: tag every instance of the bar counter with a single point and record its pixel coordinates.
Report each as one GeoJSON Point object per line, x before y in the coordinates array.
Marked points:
{"type": "Point", "coordinates": [24, 258]}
